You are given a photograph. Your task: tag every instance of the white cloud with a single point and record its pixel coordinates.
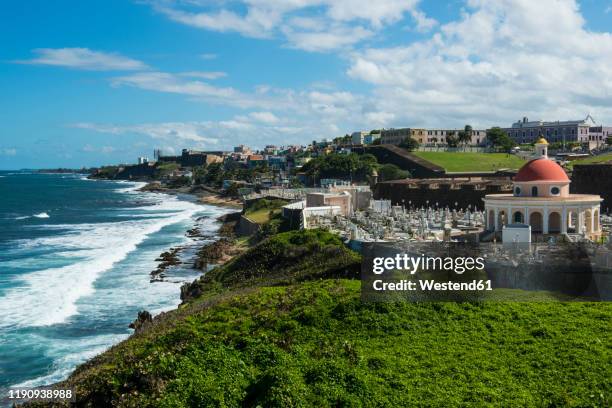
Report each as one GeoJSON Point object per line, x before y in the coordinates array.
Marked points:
{"type": "Point", "coordinates": [501, 60]}
{"type": "Point", "coordinates": [179, 132]}
{"type": "Point", "coordinates": [8, 151]}
{"type": "Point", "coordinates": [254, 24]}
{"type": "Point", "coordinates": [208, 56]}
{"type": "Point", "coordinates": [83, 58]}
{"type": "Point", "coordinates": [326, 38]}
{"type": "Point", "coordinates": [92, 149]}
{"type": "Point", "coordinates": [170, 83]}
{"type": "Point", "coordinates": [312, 25]}
{"type": "Point", "coordinates": [204, 74]}
{"type": "Point", "coordinates": [423, 23]}
{"type": "Point", "coordinates": [265, 117]}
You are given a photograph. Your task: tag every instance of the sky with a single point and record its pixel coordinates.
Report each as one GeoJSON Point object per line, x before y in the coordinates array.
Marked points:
{"type": "Point", "coordinates": [88, 83]}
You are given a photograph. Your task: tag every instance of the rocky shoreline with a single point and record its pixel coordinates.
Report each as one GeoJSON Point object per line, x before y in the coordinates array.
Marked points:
{"type": "Point", "coordinates": [204, 194]}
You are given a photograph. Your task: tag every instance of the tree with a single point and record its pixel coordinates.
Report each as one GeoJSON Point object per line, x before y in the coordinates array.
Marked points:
{"type": "Point", "coordinates": [345, 166]}
{"type": "Point", "coordinates": [391, 172]}
{"type": "Point", "coordinates": [409, 144]}
{"type": "Point", "coordinates": [499, 138]}
{"type": "Point", "coordinates": [609, 140]}
{"type": "Point", "coordinates": [465, 136]}
{"type": "Point", "coordinates": [377, 142]}
{"type": "Point", "coordinates": [452, 140]}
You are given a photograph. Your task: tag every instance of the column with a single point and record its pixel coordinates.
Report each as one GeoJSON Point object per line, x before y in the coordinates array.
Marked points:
{"type": "Point", "coordinates": [497, 226]}
{"type": "Point", "coordinates": [580, 218]}
{"type": "Point", "coordinates": [592, 220]}
{"type": "Point", "coordinates": [509, 218]}
{"type": "Point", "coordinates": [526, 216]}
{"type": "Point", "coordinates": [545, 221]}
{"type": "Point", "coordinates": [563, 220]}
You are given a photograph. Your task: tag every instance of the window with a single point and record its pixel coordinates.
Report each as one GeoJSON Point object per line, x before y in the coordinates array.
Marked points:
{"type": "Point", "coordinates": [518, 217]}
{"type": "Point", "coordinates": [555, 191]}
{"type": "Point", "coordinates": [534, 191]}
{"type": "Point", "coordinates": [517, 191]}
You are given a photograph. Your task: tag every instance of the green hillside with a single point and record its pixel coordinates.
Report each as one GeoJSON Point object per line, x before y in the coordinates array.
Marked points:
{"type": "Point", "coordinates": [468, 161]}
{"type": "Point", "coordinates": [304, 338]}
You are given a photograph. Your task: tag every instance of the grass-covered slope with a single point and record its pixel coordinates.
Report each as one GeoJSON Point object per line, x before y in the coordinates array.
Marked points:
{"type": "Point", "coordinates": [281, 259]}
{"type": "Point", "coordinates": [469, 161]}
{"type": "Point", "coordinates": [291, 342]}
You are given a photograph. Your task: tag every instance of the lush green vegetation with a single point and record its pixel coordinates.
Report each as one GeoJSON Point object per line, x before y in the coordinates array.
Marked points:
{"type": "Point", "coordinates": [107, 172]}
{"type": "Point", "coordinates": [500, 139]}
{"type": "Point", "coordinates": [468, 161]}
{"type": "Point", "coordinates": [287, 257]}
{"type": "Point", "coordinates": [391, 172]}
{"type": "Point", "coordinates": [214, 173]}
{"type": "Point", "coordinates": [282, 326]}
{"type": "Point", "coordinates": [345, 166]}
{"type": "Point", "coordinates": [167, 167]}
{"type": "Point", "coordinates": [317, 344]}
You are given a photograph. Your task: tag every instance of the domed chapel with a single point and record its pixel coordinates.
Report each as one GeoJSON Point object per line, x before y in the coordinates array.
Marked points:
{"type": "Point", "coordinates": [541, 199]}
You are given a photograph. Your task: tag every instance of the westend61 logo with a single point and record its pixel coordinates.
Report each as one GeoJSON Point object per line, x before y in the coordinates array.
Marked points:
{"type": "Point", "coordinates": [461, 271]}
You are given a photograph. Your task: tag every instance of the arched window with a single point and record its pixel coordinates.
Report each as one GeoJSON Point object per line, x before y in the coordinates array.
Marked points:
{"type": "Point", "coordinates": [518, 217]}
{"type": "Point", "coordinates": [517, 191]}
{"type": "Point", "coordinates": [534, 191]}
{"type": "Point", "coordinates": [555, 191]}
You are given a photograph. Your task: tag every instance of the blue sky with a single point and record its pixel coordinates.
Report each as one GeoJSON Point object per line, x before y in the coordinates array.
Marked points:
{"type": "Point", "coordinates": [99, 82]}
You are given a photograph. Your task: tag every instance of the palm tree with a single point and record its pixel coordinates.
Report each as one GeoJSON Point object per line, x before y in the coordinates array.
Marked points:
{"type": "Point", "coordinates": [465, 135]}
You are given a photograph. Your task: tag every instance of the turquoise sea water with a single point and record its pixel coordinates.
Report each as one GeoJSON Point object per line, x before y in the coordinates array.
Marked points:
{"type": "Point", "coordinates": [75, 258]}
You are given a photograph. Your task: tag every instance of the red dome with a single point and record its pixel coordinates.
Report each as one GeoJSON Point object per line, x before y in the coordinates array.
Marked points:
{"type": "Point", "coordinates": [541, 170]}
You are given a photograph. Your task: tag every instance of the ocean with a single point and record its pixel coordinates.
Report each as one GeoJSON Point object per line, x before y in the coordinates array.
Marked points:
{"type": "Point", "coordinates": [75, 258]}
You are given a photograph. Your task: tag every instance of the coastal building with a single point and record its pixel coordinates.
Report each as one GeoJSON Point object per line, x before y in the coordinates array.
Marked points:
{"type": "Point", "coordinates": [358, 138]}
{"type": "Point", "coordinates": [598, 136]}
{"type": "Point", "coordinates": [277, 162]}
{"type": "Point", "coordinates": [342, 200]}
{"type": "Point", "coordinates": [394, 136]}
{"type": "Point", "coordinates": [254, 160]}
{"type": "Point", "coordinates": [526, 131]}
{"type": "Point", "coordinates": [431, 137]}
{"type": "Point", "coordinates": [541, 199]}
{"type": "Point", "coordinates": [192, 158]}
{"type": "Point", "coordinates": [370, 138]}
{"type": "Point", "coordinates": [361, 196]}
{"type": "Point", "coordinates": [271, 149]}
{"type": "Point", "coordinates": [439, 136]}
{"type": "Point", "coordinates": [143, 160]}
{"type": "Point", "coordinates": [242, 149]}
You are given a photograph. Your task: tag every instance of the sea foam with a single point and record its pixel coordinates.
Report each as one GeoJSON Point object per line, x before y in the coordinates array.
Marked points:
{"type": "Point", "coordinates": [50, 296]}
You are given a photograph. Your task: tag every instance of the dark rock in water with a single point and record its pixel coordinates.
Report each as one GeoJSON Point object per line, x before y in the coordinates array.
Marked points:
{"type": "Point", "coordinates": [194, 232]}
{"type": "Point", "coordinates": [166, 259]}
{"type": "Point", "coordinates": [144, 318]}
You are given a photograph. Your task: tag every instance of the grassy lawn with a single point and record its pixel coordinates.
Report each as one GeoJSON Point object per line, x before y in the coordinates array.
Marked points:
{"type": "Point", "coordinates": [261, 216]}
{"type": "Point", "coordinates": [457, 162]}
{"type": "Point", "coordinates": [592, 160]}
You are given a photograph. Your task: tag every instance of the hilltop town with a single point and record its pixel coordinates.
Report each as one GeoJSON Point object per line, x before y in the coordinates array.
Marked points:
{"type": "Point", "coordinates": [401, 184]}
